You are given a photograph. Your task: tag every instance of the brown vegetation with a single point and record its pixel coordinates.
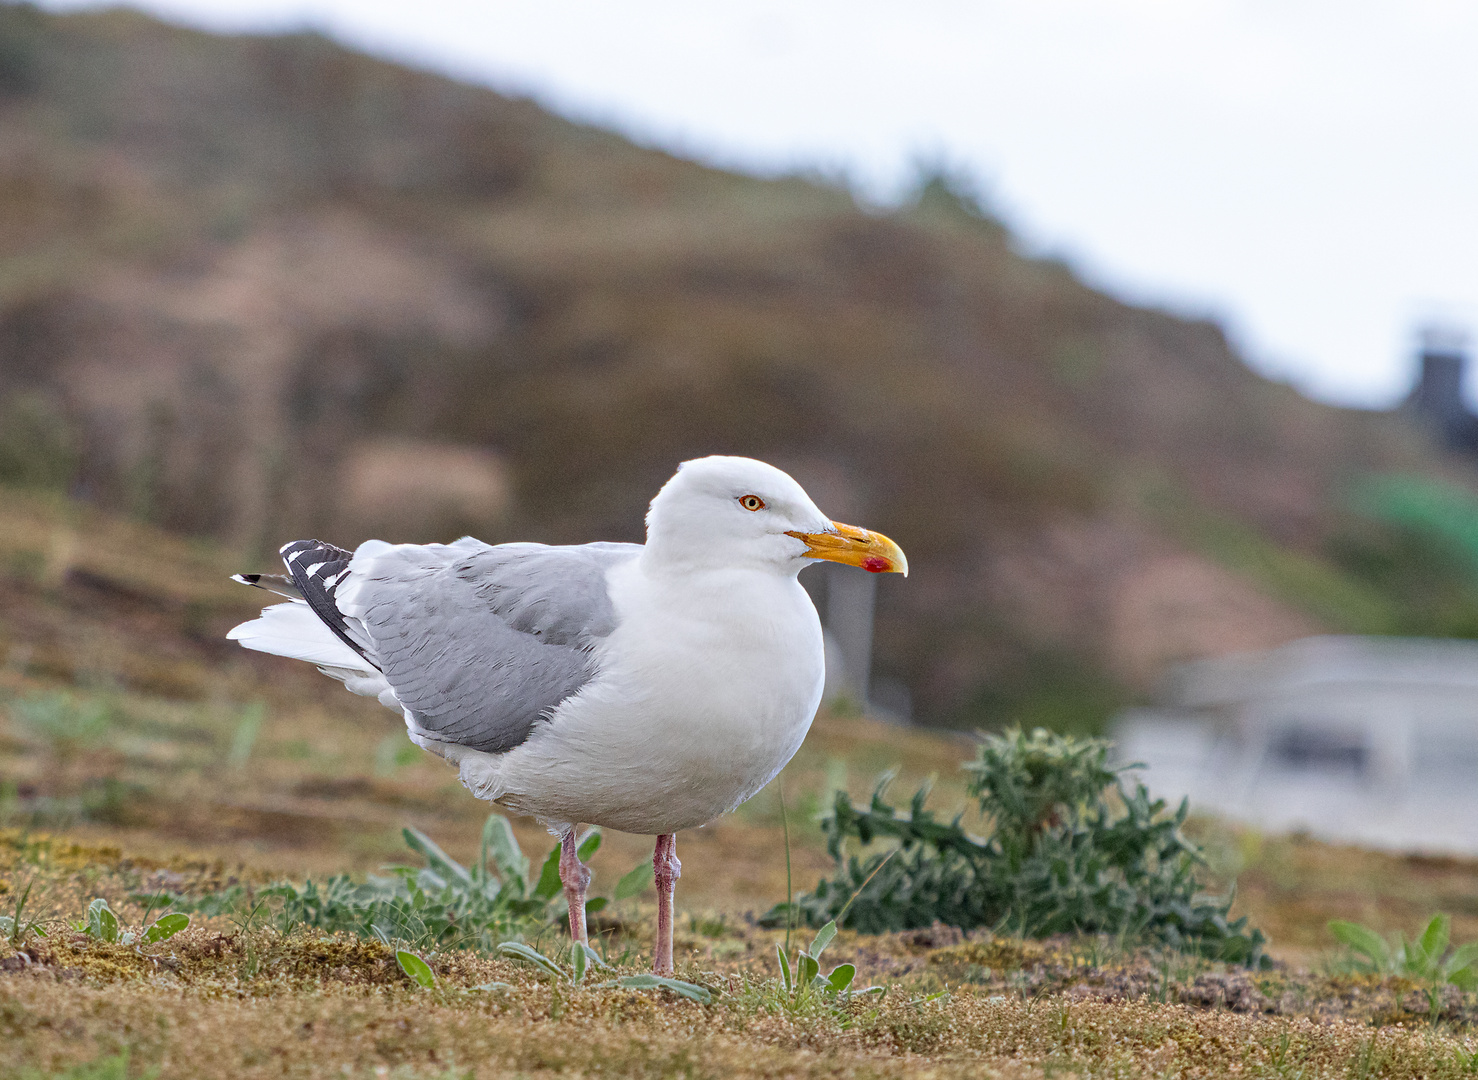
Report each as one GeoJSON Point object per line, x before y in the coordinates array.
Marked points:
{"type": "Point", "coordinates": [227, 265]}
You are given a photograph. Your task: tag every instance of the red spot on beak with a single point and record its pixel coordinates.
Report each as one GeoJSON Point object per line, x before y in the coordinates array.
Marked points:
{"type": "Point", "coordinates": [874, 564]}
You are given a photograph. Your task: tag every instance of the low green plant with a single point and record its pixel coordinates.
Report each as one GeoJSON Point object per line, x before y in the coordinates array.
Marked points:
{"type": "Point", "coordinates": [102, 924]}
{"type": "Point", "coordinates": [416, 969]}
{"type": "Point", "coordinates": [440, 905]}
{"type": "Point", "coordinates": [1071, 849]}
{"type": "Point", "coordinates": [15, 927]}
{"type": "Point", "coordinates": [66, 722]}
{"type": "Point", "coordinates": [583, 958]}
{"type": "Point", "coordinates": [109, 1067]}
{"type": "Point", "coordinates": [1426, 960]}
{"type": "Point", "coordinates": [419, 972]}
{"type": "Point", "coordinates": [691, 991]}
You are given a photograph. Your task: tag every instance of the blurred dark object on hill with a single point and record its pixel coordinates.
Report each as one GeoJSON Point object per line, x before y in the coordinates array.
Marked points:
{"type": "Point", "coordinates": [256, 288]}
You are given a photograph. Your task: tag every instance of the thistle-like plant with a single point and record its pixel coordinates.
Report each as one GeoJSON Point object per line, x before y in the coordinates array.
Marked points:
{"type": "Point", "coordinates": [1069, 847]}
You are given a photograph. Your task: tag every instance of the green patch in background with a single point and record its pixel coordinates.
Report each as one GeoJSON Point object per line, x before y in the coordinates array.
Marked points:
{"type": "Point", "coordinates": [38, 446]}
{"type": "Point", "coordinates": [1338, 599]}
{"type": "Point", "coordinates": [1440, 511]}
{"type": "Point", "coordinates": [1414, 542]}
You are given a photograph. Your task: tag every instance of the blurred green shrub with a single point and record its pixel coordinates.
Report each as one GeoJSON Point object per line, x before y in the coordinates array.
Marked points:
{"type": "Point", "coordinates": [38, 447]}
{"type": "Point", "coordinates": [1073, 850]}
{"type": "Point", "coordinates": [1414, 541]}
{"type": "Point", "coordinates": [67, 723]}
{"type": "Point", "coordinates": [1053, 689]}
{"type": "Point", "coordinates": [21, 31]}
{"type": "Point", "coordinates": [1337, 599]}
{"type": "Point", "coordinates": [1427, 580]}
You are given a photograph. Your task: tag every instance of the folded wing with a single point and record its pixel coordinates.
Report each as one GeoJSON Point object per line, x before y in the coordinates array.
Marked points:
{"type": "Point", "coordinates": [478, 643]}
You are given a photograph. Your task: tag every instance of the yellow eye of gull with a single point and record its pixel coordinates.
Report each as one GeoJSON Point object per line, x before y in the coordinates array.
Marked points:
{"type": "Point", "coordinates": [752, 502]}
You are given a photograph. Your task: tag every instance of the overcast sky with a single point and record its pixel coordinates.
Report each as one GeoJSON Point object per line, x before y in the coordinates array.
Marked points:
{"type": "Point", "coordinates": [1307, 172]}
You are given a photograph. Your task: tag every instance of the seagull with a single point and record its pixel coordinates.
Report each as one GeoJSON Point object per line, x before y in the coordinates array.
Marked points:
{"type": "Point", "coordinates": [646, 688]}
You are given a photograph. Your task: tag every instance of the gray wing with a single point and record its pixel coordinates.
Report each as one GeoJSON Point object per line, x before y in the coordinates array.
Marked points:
{"type": "Point", "coordinates": [480, 642]}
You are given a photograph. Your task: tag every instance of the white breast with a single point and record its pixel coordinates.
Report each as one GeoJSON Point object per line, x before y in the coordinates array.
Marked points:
{"type": "Point", "coordinates": [707, 688]}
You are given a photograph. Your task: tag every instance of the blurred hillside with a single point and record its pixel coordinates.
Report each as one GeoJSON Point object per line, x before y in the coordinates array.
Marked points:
{"type": "Point", "coordinates": [258, 288]}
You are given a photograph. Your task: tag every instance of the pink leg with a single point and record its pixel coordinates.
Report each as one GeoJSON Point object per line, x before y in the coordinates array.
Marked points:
{"type": "Point", "coordinates": [575, 876]}
{"type": "Point", "coordinates": [667, 870]}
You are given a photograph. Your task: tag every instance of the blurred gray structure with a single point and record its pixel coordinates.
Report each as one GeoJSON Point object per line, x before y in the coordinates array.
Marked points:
{"type": "Point", "coordinates": [1365, 740]}
{"type": "Point", "coordinates": [1437, 398]}
{"type": "Point", "coordinates": [847, 600]}
{"type": "Point", "coordinates": [851, 599]}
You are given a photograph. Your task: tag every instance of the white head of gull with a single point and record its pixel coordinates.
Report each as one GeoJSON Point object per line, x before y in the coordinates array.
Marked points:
{"type": "Point", "coordinates": [641, 687]}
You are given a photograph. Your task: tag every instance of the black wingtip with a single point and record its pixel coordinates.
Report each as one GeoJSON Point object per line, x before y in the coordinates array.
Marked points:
{"type": "Point", "coordinates": [272, 583]}
{"type": "Point", "coordinates": [316, 569]}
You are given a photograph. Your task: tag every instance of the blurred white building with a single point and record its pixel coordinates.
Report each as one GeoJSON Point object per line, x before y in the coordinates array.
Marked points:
{"type": "Point", "coordinates": [1366, 740]}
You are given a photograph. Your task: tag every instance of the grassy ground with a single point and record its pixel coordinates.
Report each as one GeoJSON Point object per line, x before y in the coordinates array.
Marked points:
{"type": "Point", "coordinates": [220, 1000]}
{"type": "Point", "coordinates": [139, 750]}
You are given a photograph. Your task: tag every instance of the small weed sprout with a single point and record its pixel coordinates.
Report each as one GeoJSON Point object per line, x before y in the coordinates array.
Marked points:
{"type": "Point", "coordinates": [803, 982]}
{"type": "Point", "coordinates": [583, 958]}
{"type": "Point", "coordinates": [419, 972]}
{"type": "Point", "coordinates": [102, 924]}
{"type": "Point", "coordinates": [416, 969]}
{"type": "Point", "coordinates": [15, 927]}
{"type": "Point", "coordinates": [517, 950]}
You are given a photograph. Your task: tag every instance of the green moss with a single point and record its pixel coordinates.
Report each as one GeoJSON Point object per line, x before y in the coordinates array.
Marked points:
{"type": "Point", "coordinates": [993, 954]}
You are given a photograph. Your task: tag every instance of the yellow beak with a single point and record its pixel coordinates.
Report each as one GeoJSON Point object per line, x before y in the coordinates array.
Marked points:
{"type": "Point", "coordinates": [852, 546]}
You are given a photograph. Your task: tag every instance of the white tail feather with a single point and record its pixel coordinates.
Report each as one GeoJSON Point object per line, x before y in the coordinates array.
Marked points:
{"type": "Point", "coordinates": [293, 630]}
